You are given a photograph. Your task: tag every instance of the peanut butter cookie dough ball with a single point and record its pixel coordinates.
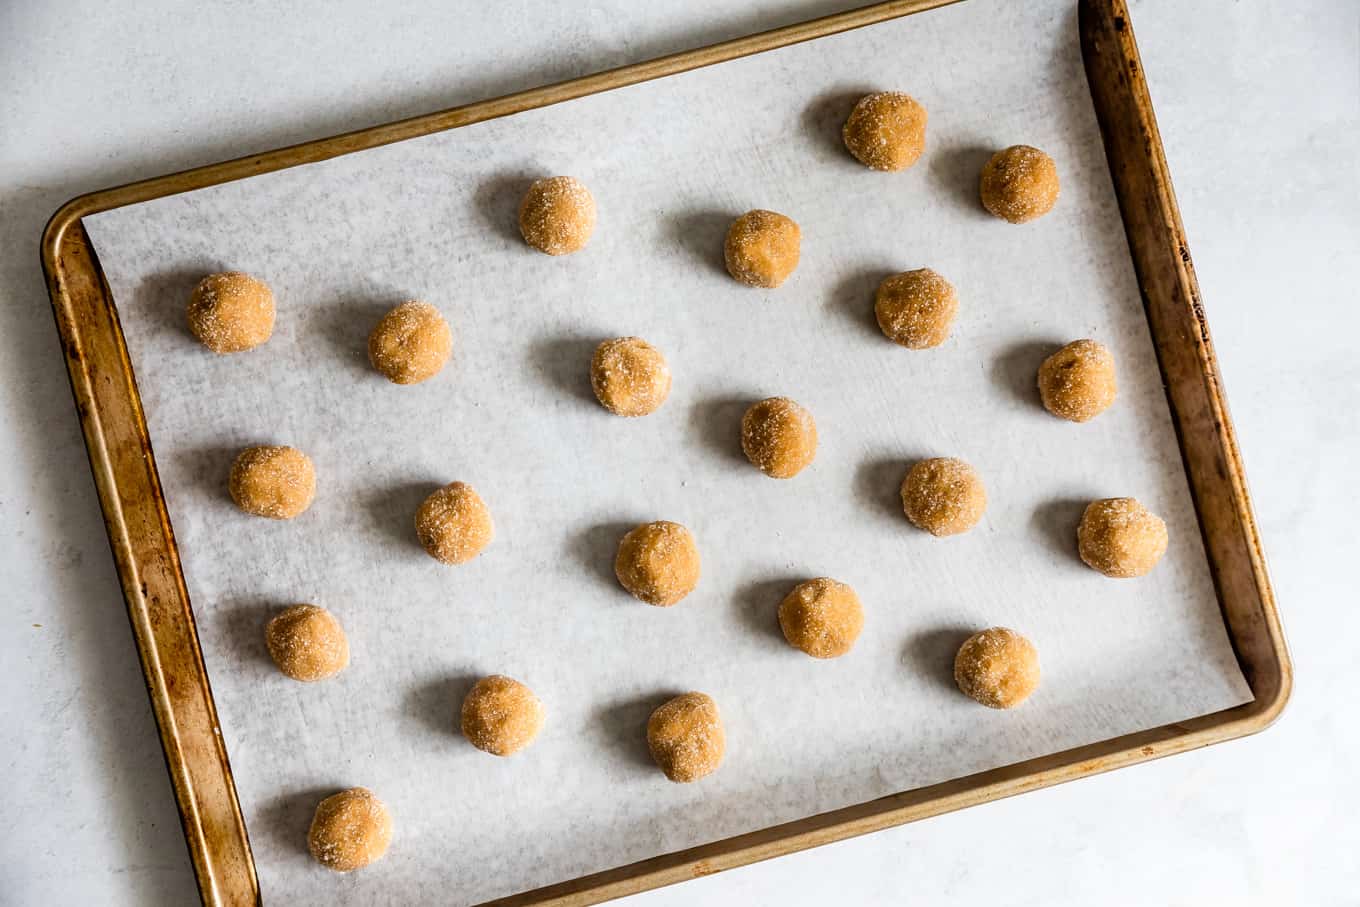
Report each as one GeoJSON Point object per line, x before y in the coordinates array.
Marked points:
{"type": "Point", "coordinates": [1019, 184]}
{"type": "Point", "coordinates": [658, 563]}
{"type": "Point", "coordinates": [411, 343]}
{"type": "Point", "coordinates": [762, 248]}
{"type": "Point", "coordinates": [915, 309]}
{"type": "Point", "coordinates": [350, 830]}
{"type": "Point", "coordinates": [453, 524]}
{"type": "Point", "coordinates": [997, 667]}
{"type": "Point", "coordinates": [231, 312]}
{"type": "Point", "coordinates": [886, 131]}
{"type": "Point", "coordinates": [686, 737]}
{"type": "Point", "coordinates": [1120, 537]}
{"type": "Point", "coordinates": [274, 482]}
{"type": "Point", "coordinates": [821, 617]}
{"type": "Point", "coordinates": [943, 496]}
{"type": "Point", "coordinates": [557, 215]}
{"type": "Point", "coordinates": [1077, 382]}
{"type": "Point", "coordinates": [630, 377]}
{"type": "Point", "coordinates": [501, 716]}
{"type": "Point", "coordinates": [779, 437]}
{"type": "Point", "coordinates": [307, 643]}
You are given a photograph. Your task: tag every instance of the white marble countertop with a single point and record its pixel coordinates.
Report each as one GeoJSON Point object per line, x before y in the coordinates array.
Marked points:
{"type": "Point", "coordinates": [1259, 105]}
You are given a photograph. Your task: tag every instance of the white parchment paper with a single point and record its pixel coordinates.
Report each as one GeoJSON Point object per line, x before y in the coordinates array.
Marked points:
{"type": "Point", "coordinates": [670, 163]}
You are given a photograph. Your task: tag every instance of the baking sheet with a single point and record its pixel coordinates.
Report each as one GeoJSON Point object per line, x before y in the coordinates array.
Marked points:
{"type": "Point", "coordinates": [670, 163]}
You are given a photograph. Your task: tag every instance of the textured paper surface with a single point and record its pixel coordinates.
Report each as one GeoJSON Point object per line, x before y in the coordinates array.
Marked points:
{"type": "Point", "coordinates": [670, 163]}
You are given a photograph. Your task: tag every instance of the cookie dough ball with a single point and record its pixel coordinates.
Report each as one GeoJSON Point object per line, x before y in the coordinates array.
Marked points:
{"type": "Point", "coordinates": [411, 343]}
{"type": "Point", "coordinates": [943, 496]}
{"type": "Point", "coordinates": [658, 563]}
{"type": "Point", "coordinates": [686, 737]}
{"type": "Point", "coordinates": [307, 643]}
{"type": "Point", "coordinates": [350, 830]}
{"type": "Point", "coordinates": [886, 130]}
{"type": "Point", "coordinates": [231, 312]}
{"type": "Point", "coordinates": [915, 309]}
{"type": "Point", "coordinates": [557, 215]}
{"type": "Point", "coordinates": [997, 667]}
{"type": "Point", "coordinates": [501, 716]}
{"type": "Point", "coordinates": [1120, 537]}
{"type": "Point", "coordinates": [453, 524]}
{"type": "Point", "coordinates": [1077, 382]}
{"type": "Point", "coordinates": [762, 248]}
{"type": "Point", "coordinates": [779, 437]}
{"type": "Point", "coordinates": [274, 482]}
{"type": "Point", "coordinates": [630, 376]}
{"type": "Point", "coordinates": [822, 617]}
{"type": "Point", "coordinates": [1019, 184]}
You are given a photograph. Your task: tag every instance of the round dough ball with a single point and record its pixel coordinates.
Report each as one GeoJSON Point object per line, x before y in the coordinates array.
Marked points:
{"type": "Point", "coordinates": [1077, 382]}
{"type": "Point", "coordinates": [686, 737]}
{"type": "Point", "coordinates": [779, 437]}
{"type": "Point", "coordinates": [453, 524]}
{"type": "Point", "coordinates": [915, 309]}
{"type": "Point", "coordinates": [501, 716]}
{"type": "Point", "coordinates": [997, 667]}
{"type": "Point", "coordinates": [1120, 537]}
{"type": "Point", "coordinates": [350, 830]}
{"type": "Point", "coordinates": [886, 130]}
{"type": "Point", "coordinates": [943, 496]}
{"type": "Point", "coordinates": [307, 643]}
{"type": "Point", "coordinates": [762, 248]}
{"type": "Point", "coordinates": [658, 563]}
{"type": "Point", "coordinates": [557, 215]}
{"type": "Point", "coordinates": [274, 482]}
{"type": "Point", "coordinates": [411, 343]}
{"type": "Point", "coordinates": [822, 617]}
{"type": "Point", "coordinates": [1019, 184]}
{"type": "Point", "coordinates": [231, 312]}
{"type": "Point", "coordinates": [630, 376]}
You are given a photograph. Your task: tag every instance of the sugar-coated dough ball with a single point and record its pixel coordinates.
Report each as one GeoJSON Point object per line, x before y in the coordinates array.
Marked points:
{"type": "Point", "coordinates": [686, 737]}
{"type": "Point", "coordinates": [350, 830]}
{"type": "Point", "coordinates": [658, 562]}
{"type": "Point", "coordinates": [453, 524]}
{"type": "Point", "coordinates": [411, 343]}
{"type": "Point", "coordinates": [307, 643]}
{"type": "Point", "coordinates": [1019, 184]}
{"type": "Point", "coordinates": [630, 376]}
{"type": "Point", "coordinates": [997, 667]}
{"type": "Point", "coordinates": [1077, 382]}
{"type": "Point", "coordinates": [557, 215]}
{"type": "Point", "coordinates": [915, 309]}
{"type": "Point", "coordinates": [886, 130]}
{"type": "Point", "coordinates": [1120, 537]}
{"type": "Point", "coordinates": [762, 248]}
{"type": "Point", "coordinates": [943, 496]}
{"type": "Point", "coordinates": [274, 482]}
{"type": "Point", "coordinates": [779, 437]}
{"type": "Point", "coordinates": [231, 312]}
{"type": "Point", "coordinates": [501, 716]}
{"type": "Point", "coordinates": [822, 617]}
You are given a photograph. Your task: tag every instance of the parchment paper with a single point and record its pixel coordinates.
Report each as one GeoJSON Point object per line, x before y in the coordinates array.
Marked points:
{"type": "Point", "coordinates": [670, 163]}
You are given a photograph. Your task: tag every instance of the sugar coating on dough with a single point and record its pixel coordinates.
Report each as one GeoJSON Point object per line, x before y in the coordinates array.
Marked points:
{"type": "Point", "coordinates": [779, 437]}
{"type": "Point", "coordinates": [630, 377]}
{"type": "Point", "coordinates": [1019, 184]}
{"type": "Point", "coordinates": [1077, 383]}
{"type": "Point", "coordinates": [916, 309]}
{"type": "Point", "coordinates": [274, 482]}
{"type": "Point", "coordinates": [658, 563]}
{"type": "Point", "coordinates": [231, 312]}
{"type": "Point", "coordinates": [557, 215]}
{"type": "Point", "coordinates": [686, 738]}
{"type": "Point", "coordinates": [307, 643]}
{"type": "Point", "coordinates": [500, 715]}
{"type": "Point", "coordinates": [886, 131]}
{"type": "Point", "coordinates": [997, 667]}
{"type": "Point", "coordinates": [822, 617]}
{"type": "Point", "coordinates": [350, 830]}
{"type": "Point", "coordinates": [943, 496]}
{"type": "Point", "coordinates": [412, 343]}
{"type": "Point", "coordinates": [1121, 538]}
{"type": "Point", "coordinates": [454, 524]}
{"type": "Point", "coordinates": [762, 248]}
